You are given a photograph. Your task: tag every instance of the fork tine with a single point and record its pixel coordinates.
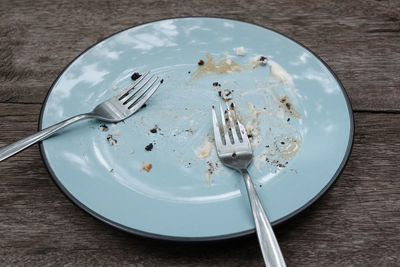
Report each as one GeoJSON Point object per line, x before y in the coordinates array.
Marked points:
{"type": "Point", "coordinates": [124, 92]}
{"type": "Point", "coordinates": [217, 133]}
{"type": "Point", "coordinates": [137, 93]}
{"type": "Point", "coordinates": [224, 128]}
{"type": "Point", "coordinates": [128, 94]}
{"type": "Point", "coordinates": [232, 125]}
{"type": "Point", "coordinates": [135, 106]}
{"type": "Point", "coordinates": [242, 129]}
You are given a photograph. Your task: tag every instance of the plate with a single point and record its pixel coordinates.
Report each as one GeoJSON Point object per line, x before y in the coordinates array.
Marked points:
{"type": "Point", "coordinates": [293, 105]}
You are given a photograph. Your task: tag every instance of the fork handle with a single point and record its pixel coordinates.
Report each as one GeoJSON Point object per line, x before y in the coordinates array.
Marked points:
{"type": "Point", "coordinates": [269, 245]}
{"type": "Point", "coordinates": [9, 150]}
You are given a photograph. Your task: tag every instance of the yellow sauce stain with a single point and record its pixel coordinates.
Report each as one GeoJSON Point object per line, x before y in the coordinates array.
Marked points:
{"type": "Point", "coordinates": [223, 66]}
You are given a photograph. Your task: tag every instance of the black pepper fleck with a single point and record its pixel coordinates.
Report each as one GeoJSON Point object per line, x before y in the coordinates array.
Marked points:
{"type": "Point", "coordinates": [149, 147]}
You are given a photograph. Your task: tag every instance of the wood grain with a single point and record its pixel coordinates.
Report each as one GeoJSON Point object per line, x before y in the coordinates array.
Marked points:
{"type": "Point", "coordinates": [357, 223]}
{"type": "Point", "coordinates": [359, 40]}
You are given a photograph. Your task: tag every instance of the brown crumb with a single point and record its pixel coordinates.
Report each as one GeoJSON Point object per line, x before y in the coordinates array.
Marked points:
{"type": "Point", "coordinates": [201, 62]}
{"type": "Point", "coordinates": [281, 165]}
{"type": "Point", "coordinates": [111, 140]}
{"type": "Point", "coordinates": [147, 166]}
{"type": "Point", "coordinates": [263, 60]}
{"type": "Point", "coordinates": [144, 105]}
{"type": "Point", "coordinates": [217, 84]}
{"type": "Point", "coordinates": [149, 147]}
{"type": "Point", "coordinates": [103, 127]}
{"type": "Point", "coordinates": [135, 76]}
{"type": "Point", "coordinates": [234, 155]}
{"type": "Point", "coordinates": [154, 129]}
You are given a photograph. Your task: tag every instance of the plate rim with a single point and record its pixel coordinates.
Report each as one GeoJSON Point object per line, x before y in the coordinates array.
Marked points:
{"type": "Point", "coordinates": [131, 230]}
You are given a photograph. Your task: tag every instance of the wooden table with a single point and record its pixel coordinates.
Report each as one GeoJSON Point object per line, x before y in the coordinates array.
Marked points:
{"type": "Point", "coordinates": [356, 223]}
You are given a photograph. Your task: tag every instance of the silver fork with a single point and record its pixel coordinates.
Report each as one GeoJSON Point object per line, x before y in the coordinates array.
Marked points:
{"type": "Point", "coordinates": [115, 109]}
{"type": "Point", "coordinates": [234, 150]}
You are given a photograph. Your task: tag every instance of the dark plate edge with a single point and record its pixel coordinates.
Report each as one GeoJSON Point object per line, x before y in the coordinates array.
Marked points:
{"type": "Point", "coordinates": [210, 238]}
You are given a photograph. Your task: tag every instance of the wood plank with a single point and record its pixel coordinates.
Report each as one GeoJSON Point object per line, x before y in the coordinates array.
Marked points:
{"type": "Point", "coordinates": [359, 40]}
{"type": "Point", "coordinates": [356, 223]}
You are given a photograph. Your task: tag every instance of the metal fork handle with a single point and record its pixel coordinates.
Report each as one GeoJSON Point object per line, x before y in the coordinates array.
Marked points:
{"type": "Point", "coordinates": [269, 245]}
{"type": "Point", "coordinates": [9, 150]}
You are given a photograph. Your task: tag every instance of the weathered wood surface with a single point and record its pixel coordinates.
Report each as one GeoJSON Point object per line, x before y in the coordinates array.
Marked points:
{"type": "Point", "coordinates": [356, 223]}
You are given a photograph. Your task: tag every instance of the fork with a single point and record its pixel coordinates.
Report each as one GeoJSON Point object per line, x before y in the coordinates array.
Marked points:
{"type": "Point", "coordinates": [115, 109]}
{"type": "Point", "coordinates": [234, 150]}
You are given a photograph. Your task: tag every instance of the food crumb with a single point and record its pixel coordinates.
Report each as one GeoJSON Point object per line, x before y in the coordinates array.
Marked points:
{"type": "Point", "coordinates": [103, 127]}
{"type": "Point", "coordinates": [144, 105]}
{"type": "Point", "coordinates": [154, 129]}
{"type": "Point", "coordinates": [189, 72]}
{"type": "Point", "coordinates": [132, 151]}
{"type": "Point", "coordinates": [135, 76]}
{"type": "Point", "coordinates": [226, 94]}
{"type": "Point", "coordinates": [149, 147]}
{"type": "Point", "coordinates": [115, 87]}
{"type": "Point", "coordinates": [216, 84]}
{"type": "Point", "coordinates": [263, 60]}
{"type": "Point", "coordinates": [147, 166]}
{"type": "Point", "coordinates": [240, 51]}
{"type": "Point", "coordinates": [201, 62]}
{"type": "Point", "coordinates": [111, 140]}
{"type": "Point", "coordinates": [116, 134]}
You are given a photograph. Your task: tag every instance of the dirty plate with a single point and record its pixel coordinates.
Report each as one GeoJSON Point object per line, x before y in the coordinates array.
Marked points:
{"type": "Point", "coordinates": [296, 110]}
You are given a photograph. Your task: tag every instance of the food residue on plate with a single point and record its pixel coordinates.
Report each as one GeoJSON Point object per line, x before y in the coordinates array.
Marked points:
{"type": "Point", "coordinates": [103, 127]}
{"type": "Point", "coordinates": [289, 147]}
{"type": "Point", "coordinates": [147, 166]}
{"type": "Point", "coordinates": [205, 149]}
{"type": "Point", "coordinates": [111, 140]}
{"type": "Point", "coordinates": [115, 87]}
{"type": "Point", "coordinates": [132, 151]}
{"type": "Point", "coordinates": [154, 129]}
{"type": "Point", "coordinates": [259, 61]}
{"type": "Point", "coordinates": [240, 51]}
{"type": "Point", "coordinates": [225, 94]}
{"type": "Point", "coordinates": [149, 147]}
{"type": "Point", "coordinates": [223, 66]}
{"type": "Point", "coordinates": [212, 167]}
{"type": "Point", "coordinates": [289, 107]}
{"type": "Point", "coordinates": [279, 73]}
{"type": "Point", "coordinates": [253, 125]}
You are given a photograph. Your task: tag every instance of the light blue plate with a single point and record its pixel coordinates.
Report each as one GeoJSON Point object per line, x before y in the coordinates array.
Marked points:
{"type": "Point", "coordinates": [180, 199]}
